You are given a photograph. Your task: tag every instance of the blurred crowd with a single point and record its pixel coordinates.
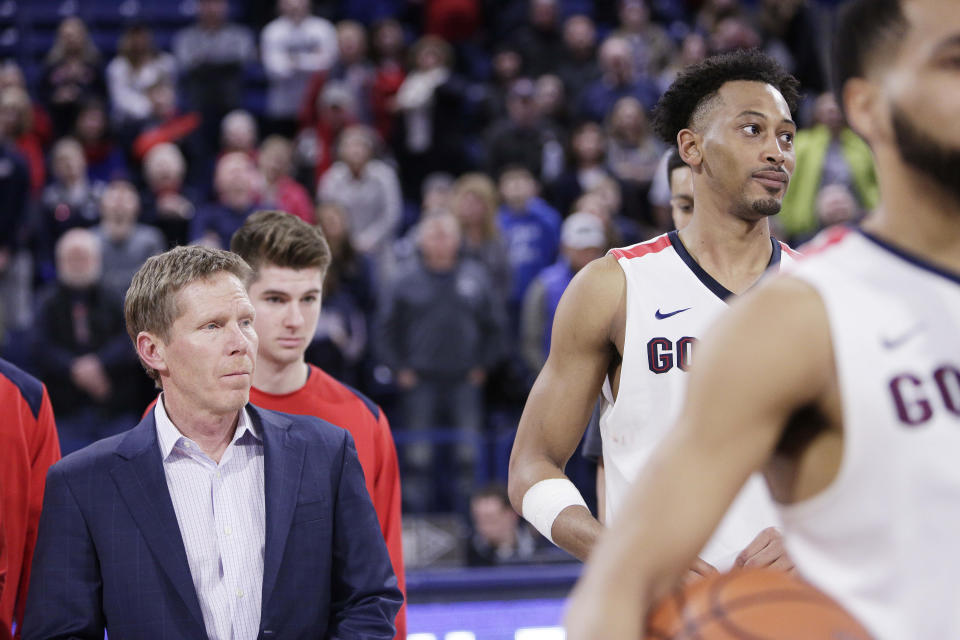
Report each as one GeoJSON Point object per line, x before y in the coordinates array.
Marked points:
{"type": "Point", "coordinates": [465, 158]}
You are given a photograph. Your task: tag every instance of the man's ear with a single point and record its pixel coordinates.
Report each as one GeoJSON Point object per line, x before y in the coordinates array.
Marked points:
{"type": "Point", "coordinates": [688, 147]}
{"type": "Point", "coordinates": [863, 108]}
{"type": "Point", "coordinates": [151, 350]}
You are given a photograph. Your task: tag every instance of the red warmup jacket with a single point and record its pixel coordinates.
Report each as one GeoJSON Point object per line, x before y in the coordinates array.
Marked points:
{"type": "Point", "coordinates": [326, 398]}
{"type": "Point", "coordinates": [28, 447]}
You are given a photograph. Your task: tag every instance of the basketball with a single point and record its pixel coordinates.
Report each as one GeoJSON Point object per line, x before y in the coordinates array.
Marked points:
{"type": "Point", "coordinates": [751, 604]}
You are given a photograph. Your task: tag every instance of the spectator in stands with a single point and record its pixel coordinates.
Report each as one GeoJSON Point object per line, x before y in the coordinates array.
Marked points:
{"type": "Point", "coordinates": [137, 67]}
{"type": "Point", "coordinates": [69, 200]}
{"type": "Point", "coordinates": [72, 73]}
{"type": "Point", "coordinates": [168, 203]}
{"type": "Point", "coordinates": [604, 202]}
{"type": "Point", "coordinates": [578, 65]}
{"type": "Point", "coordinates": [829, 152]}
{"type": "Point", "coordinates": [340, 342]}
{"type": "Point", "coordinates": [837, 205]}
{"type": "Point", "coordinates": [236, 182]}
{"type": "Point", "coordinates": [552, 103]}
{"type": "Point", "coordinates": [651, 46]}
{"type": "Point", "coordinates": [439, 296]}
{"type": "Point", "coordinates": [238, 132]}
{"type": "Point", "coordinates": [586, 168]}
{"type": "Point", "coordinates": [368, 190]}
{"type": "Point", "coordinates": [280, 191]}
{"type": "Point", "coordinates": [124, 243]}
{"type": "Point", "coordinates": [104, 156]}
{"type": "Point", "coordinates": [582, 240]}
{"type": "Point", "coordinates": [294, 46]}
{"type": "Point", "coordinates": [353, 69]}
{"type": "Point", "coordinates": [11, 75]}
{"type": "Point", "coordinates": [16, 120]}
{"type": "Point", "coordinates": [316, 145]}
{"type": "Point", "coordinates": [168, 124]}
{"type": "Point", "coordinates": [633, 152]}
{"type": "Point", "coordinates": [499, 535]}
{"type": "Point", "coordinates": [540, 40]}
{"type": "Point", "coordinates": [733, 33]}
{"type": "Point", "coordinates": [29, 448]}
{"type": "Point", "coordinates": [430, 127]}
{"type": "Point", "coordinates": [475, 206]}
{"type": "Point", "coordinates": [16, 262]}
{"type": "Point", "coordinates": [693, 49]}
{"type": "Point", "coordinates": [211, 55]}
{"type": "Point", "coordinates": [388, 55]}
{"type": "Point", "coordinates": [531, 229]}
{"type": "Point", "coordinates": [81, 347]}
{"type": "Point", "coordinates": [522, 138]}
{"type": "Point", "coordinates": [437, 194]}
{"type": "Point", "coordinates": [792, 34]}
{"type": "Point", "coordinates": [619, 79]}
{"type": "Point", "coordinates": [507, 67]}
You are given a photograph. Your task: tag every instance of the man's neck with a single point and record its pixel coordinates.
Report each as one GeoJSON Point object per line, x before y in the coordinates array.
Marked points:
{"type": "Point", "coordinates": [735, 252]}
{"type": "Point", "coordinates": [916, 214]}
{"type": "Point", "coordinates": [280, 378]}
{"type": "Point", "coordinates": [212, 432]}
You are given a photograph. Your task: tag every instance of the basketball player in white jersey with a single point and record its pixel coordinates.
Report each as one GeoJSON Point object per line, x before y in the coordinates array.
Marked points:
{"type": "Point", "coordinates": [841, 380]}
{"type": "Point", "coordinates": [628, 323]}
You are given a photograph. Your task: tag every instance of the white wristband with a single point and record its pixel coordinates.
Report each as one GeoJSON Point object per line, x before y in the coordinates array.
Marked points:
{"type": "Point", "coordinates": [544, 501]}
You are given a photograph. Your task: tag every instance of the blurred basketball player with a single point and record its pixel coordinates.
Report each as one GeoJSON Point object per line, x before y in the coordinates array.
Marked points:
{"type": "Point", "coordinates": [841, 380]}
{"type": "Point", "coordinates": [628, 322]}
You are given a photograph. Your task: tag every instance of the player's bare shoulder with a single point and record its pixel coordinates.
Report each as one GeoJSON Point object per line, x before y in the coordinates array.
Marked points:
{"type": "Point", "coordinates": [593, 307]}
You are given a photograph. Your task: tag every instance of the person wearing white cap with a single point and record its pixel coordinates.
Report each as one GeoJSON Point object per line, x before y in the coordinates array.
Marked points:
{"type": "Point", "coordinates": [582, 240]}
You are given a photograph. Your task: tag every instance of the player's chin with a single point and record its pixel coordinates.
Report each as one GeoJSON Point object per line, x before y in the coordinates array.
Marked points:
{"type": "Point", "coordinates": [767, 206]}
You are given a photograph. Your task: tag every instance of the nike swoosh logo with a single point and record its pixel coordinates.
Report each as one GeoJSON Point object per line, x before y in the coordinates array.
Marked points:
{"type": "Point", "coordinates": [900, 340]}
{"type": "Point", "coordinates": [660, 315]}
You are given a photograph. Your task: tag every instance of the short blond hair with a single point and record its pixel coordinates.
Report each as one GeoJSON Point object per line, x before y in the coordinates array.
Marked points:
{"type": "Point", "coordinates": [151, 303]}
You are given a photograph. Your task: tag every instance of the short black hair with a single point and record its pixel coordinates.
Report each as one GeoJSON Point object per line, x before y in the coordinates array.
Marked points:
{"type": "Point", "coordinates": [863, 28]}
{"type": "Point", "coordinates": [674, 161]}
{"type": "Point", "coordinates": [699, 82]}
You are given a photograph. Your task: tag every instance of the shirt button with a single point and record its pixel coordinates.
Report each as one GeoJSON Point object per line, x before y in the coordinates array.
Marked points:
{"type": "Point", "coordinates": [239, 593]}
{"type": "Point", "coordinates": [227, 530]}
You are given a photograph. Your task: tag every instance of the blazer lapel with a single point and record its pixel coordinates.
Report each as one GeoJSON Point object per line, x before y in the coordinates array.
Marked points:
{"type": "Point", "coordinates": [143, 486]}
{"type": "Point", "coordinates": [282, 464]}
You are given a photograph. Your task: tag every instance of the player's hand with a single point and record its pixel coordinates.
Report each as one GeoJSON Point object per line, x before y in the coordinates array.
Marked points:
{"type": "Point", "coordinates": [766, 550]}
{"type": "Point", "coordinates": [699, 569]}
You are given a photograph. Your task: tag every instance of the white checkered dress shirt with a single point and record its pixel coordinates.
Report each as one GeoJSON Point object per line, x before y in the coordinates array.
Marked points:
{"type": "Point", "coordinates": [220, 510]}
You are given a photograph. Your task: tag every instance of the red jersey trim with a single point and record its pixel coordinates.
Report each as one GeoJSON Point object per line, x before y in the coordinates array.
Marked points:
{"type": "Point", "coordinates": [825, 240]}
{"type": "Point", "coordinates": [793, 253]}
{"type": "Point", "coordinates": [638, 250]}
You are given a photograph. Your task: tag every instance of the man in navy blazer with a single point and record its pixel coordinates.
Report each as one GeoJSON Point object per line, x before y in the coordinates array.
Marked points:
{"type": "Point", "coordinates": [212, 517]}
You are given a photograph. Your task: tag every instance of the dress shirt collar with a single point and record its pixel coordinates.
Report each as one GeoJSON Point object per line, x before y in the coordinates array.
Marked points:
{"type": "Point", "coordinates": [170, 438]}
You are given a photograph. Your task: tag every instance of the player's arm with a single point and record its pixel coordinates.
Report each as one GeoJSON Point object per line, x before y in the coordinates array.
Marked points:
{"type": "Point", "coordinates": [768, 356]}
{"type": "Point", "coordinates": [559, 406]}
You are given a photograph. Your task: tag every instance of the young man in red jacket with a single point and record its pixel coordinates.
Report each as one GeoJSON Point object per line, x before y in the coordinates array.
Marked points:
{"type": "Point", "coordinates": [28, 446]}
{"type": "Point", "coordinates": [289, 259]}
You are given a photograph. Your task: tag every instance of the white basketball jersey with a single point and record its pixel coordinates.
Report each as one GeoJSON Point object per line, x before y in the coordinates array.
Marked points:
{"type": "Point", "coordinates": [671, 301]}
{"type": "Point", "coordinates": [884, 538]}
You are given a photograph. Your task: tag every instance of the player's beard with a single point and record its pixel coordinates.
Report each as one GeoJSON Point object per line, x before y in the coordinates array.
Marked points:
{"type": "Point", "coordinates": [767, 207]}
{"type": "Point", "coordinates": [923, 153]}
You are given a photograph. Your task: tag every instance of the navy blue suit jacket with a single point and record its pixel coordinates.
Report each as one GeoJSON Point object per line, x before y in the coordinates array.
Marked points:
{"type": "Point", "coordinates": [110, 554]}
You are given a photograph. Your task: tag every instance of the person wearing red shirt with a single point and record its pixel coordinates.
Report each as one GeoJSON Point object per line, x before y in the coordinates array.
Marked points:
{"type": "Point", "coordinates": [289, 260]}
{"type": "Point", "coordinates": [28, 446]}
